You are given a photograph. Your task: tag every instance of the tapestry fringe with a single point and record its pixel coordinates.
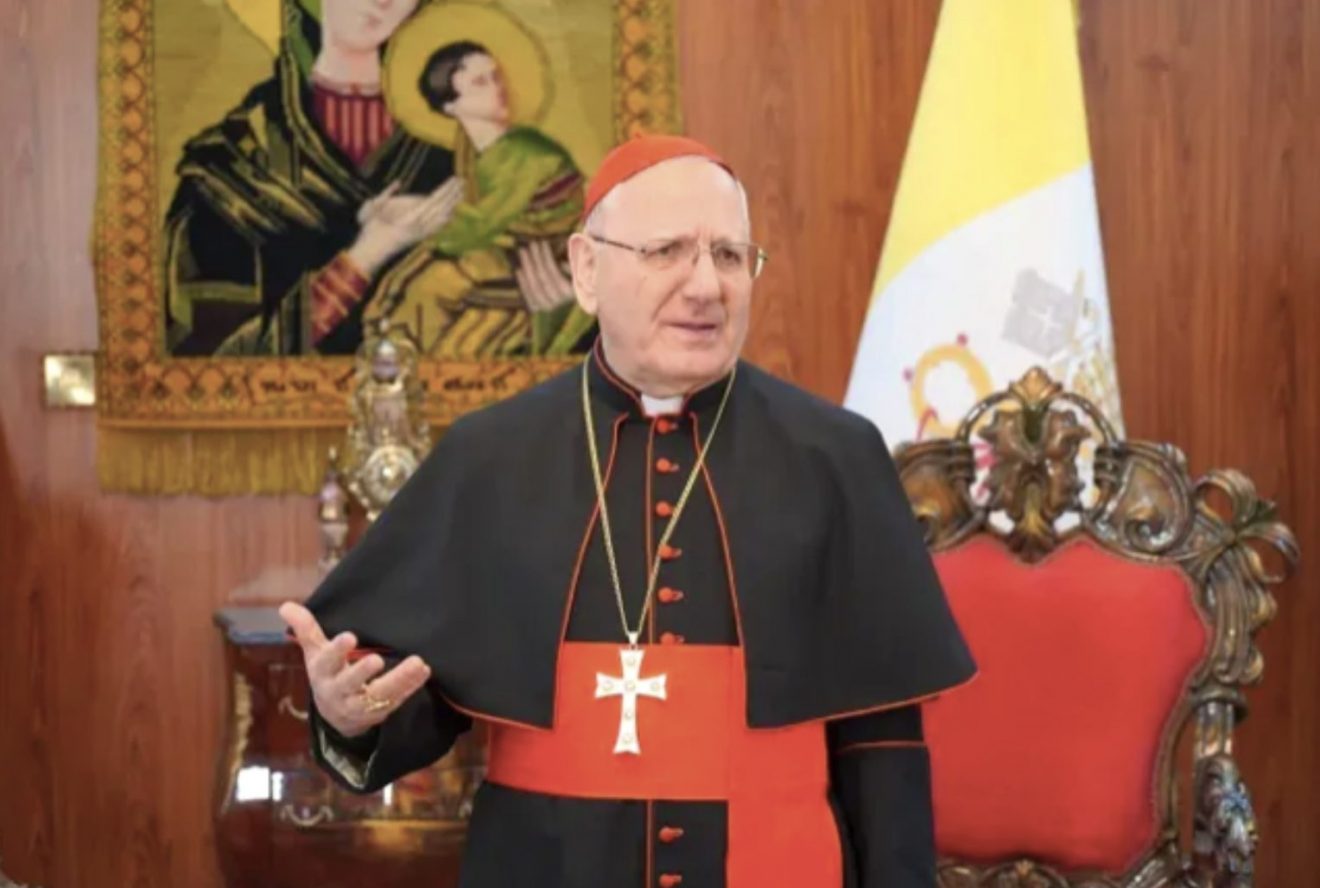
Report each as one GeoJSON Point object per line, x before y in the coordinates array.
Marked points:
{"type": "Point", "coordinates": [214, 463]}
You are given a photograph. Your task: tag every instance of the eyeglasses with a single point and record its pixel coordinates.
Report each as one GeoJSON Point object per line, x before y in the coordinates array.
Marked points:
{"type": "Point", "coordinates": [728, 257]}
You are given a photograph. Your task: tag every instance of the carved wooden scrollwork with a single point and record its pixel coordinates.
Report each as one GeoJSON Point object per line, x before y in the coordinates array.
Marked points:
{"type": "Point", "coordinates": [1224, 842]}
{"type": "Point", "coordinates": [1227, 558]}
{"type": "Point", "coordinates": [1013, 874]}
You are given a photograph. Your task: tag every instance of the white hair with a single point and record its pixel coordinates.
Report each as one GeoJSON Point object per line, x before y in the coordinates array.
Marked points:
{"type": "Point", "coordinates": [596, 218]}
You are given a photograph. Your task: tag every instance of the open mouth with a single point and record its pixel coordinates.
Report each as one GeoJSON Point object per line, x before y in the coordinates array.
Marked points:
{"type": "Point", "coordinates": [700, 329]}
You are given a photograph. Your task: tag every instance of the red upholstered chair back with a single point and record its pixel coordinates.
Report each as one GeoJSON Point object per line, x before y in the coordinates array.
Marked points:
{"type": "Point", "coordinates": [1105, 619]}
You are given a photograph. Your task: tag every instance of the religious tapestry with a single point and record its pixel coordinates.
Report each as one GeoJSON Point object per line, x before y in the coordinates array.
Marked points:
{"type": "Point", "coordinates": [281, 179]}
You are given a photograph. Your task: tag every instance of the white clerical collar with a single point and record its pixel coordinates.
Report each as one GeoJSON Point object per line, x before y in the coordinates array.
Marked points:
{"type": "Point", "coordinates": [660, 406]}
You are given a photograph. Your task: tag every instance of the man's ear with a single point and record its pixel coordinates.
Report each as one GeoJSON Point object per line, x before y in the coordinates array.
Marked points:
{"type": "Point", "coordinates": [582, 261]}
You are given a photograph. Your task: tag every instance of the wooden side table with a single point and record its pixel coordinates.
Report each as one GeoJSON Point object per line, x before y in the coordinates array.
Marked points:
{"type": "Point", "coordinates": [280, 821]}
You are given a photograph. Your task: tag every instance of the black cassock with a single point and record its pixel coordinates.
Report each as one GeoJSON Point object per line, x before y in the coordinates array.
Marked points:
{"type": "Point", "coordinates": [798, 545]}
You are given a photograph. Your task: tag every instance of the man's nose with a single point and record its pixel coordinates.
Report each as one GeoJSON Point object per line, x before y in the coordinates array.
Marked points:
{"type": "Point", "coordinates": [703, 282]}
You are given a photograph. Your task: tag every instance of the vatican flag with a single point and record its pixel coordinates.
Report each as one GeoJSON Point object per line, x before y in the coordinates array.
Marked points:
{"type": "Point", "coordinates": [992, 262]}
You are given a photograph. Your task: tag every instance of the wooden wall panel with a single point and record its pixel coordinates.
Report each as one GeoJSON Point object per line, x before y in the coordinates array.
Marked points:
{"type": "Point", "coordinates": [813, 112]}
{"type": "Point", "coordinates": [1205, 120]}
{"type": "Point", "coordinates": [1204, 126]}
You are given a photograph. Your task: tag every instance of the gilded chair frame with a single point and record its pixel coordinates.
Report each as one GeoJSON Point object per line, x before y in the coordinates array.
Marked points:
{"type": "Point", "coordinates": [1144, 505]}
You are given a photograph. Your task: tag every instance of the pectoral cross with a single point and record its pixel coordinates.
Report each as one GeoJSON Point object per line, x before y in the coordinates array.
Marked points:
{"type": "Point", "coordinates": [629, 686]}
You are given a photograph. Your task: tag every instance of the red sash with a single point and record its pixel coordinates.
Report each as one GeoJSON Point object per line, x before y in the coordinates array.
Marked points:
{"type": "Point", "coordinates": [696, 746]}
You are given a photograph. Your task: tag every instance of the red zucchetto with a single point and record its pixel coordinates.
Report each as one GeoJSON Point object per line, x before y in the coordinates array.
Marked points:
{"type": "Point", "coordinates": [629, 158]}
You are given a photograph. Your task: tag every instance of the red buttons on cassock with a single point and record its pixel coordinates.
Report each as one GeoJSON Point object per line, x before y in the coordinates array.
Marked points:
{"type": "Point", "coordinates": [670, 834]}
{"type": "Point", "coordinates": [669, 880]}
{"type": "Point", "coordinates": [669, 596]}
{"type": "Point", "coordinates": [664, 509]}
{"type": "Point", "coordinates": [665, 426]}
{"type": "Point", "coordinates": [672, 638]}
{"type": "Point", "coordinates": [665, 466]}
{"type": "Point", "coordinates": [669, 553]}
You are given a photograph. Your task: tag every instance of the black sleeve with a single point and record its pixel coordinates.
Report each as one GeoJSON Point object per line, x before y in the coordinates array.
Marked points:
{"type": "Point", "coordinates": [389, 589]}
{"type": "Point", "coordinates": [418, 733]}
{"type": "Point", "coordinates": [880, 775]}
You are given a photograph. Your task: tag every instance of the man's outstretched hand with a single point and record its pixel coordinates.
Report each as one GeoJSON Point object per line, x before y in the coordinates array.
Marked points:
{"type": "Point", "coordinates": [351, 697]}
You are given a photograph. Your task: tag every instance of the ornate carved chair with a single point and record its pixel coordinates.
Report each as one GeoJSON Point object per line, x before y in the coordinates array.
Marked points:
{"type": "Point", "coordinates": [1109, 615]}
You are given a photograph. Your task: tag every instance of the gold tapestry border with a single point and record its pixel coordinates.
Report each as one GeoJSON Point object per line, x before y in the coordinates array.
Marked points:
{"type": "Point", "coordinates": [226, 411]}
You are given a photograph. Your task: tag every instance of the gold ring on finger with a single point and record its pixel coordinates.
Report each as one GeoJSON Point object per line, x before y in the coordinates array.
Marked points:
{"type": "Point", "coordinates": [373, 704]}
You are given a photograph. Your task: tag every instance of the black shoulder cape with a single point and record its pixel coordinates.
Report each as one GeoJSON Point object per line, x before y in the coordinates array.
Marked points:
{"type": "Point", "coordinates": [472, 564]}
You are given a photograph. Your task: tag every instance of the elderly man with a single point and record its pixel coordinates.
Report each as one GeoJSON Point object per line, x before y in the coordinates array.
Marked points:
{"type": "Point", "coordinates": [689, 600]}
